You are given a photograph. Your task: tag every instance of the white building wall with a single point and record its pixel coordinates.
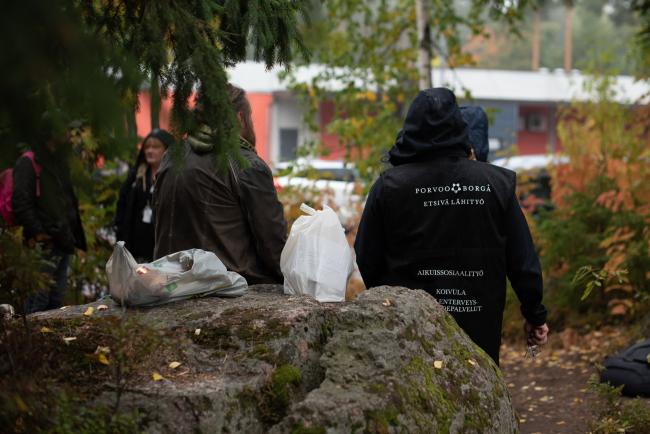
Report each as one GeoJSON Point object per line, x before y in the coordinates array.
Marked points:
{"type": "Point", "coordinates": [286, 112]}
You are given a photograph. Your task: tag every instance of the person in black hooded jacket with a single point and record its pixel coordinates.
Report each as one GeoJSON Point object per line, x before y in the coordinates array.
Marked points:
{"type": "Point", "coordinates": [451, 226]}
{"type": "Point", "coordinates": [46, 207]}
{"type": "Point", "coordinates": [134, 215]}
{"type": "Point", "coordinates": [477, 133]}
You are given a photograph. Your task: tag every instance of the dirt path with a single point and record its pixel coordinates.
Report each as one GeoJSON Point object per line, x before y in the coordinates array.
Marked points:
{"type": "Point", "coordinates": [550, 392]}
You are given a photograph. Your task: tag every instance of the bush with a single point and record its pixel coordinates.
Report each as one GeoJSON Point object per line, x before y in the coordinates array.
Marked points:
{"type": "Point", "coordinates": [616, 414]}
{"type": "Point", "coordinates": [20, 268]}
{"type": "Point", "coordinates": [595, 243]}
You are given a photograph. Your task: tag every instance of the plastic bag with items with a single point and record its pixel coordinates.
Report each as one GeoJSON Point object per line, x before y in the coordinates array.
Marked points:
{"type": "Point", "coordinates": [181, 275]}
{"type": "Point", "coordinates": [317, 259]}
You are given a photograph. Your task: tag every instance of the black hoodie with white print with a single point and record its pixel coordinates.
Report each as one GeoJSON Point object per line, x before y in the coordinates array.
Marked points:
{"type": "Point", "coordinates": [449, 225]}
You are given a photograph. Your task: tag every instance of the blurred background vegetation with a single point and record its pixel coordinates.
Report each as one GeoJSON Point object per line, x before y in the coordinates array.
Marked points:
{"type": "Point", "coordinates": [89, 59]}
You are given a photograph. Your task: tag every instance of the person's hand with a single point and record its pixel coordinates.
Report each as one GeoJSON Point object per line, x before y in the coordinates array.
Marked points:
{"type": "Point", "coordinates": [535, 335]}
{"type": "Point", "coordinates": [40, 238]}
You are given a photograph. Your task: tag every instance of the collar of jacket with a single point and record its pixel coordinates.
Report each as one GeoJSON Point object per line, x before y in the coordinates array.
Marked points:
{"type": "Point", "coordinates": [397, 159]}
{"type": "Point", "coordinates": [202, 142]}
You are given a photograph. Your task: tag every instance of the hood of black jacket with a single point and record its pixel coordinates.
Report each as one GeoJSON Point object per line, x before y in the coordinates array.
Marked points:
{"type": "Point", "coordinates": [434, 127]}
{"type": "Point", "coordinates": [477, 121]}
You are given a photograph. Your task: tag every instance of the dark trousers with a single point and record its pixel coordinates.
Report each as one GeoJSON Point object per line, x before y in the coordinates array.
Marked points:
{"type": "Point", "coordinates": [51, 298]}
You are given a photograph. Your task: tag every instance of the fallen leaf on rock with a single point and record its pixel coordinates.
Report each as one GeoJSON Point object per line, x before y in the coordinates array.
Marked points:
{"type": "Point", "coordinates": [64, 307]}
{"type": "Point", "coordinates": [101, 358]}
{"type": "Point", "coordinates": [101, 349]}
{"type": "Point", "coordinates": [561, 422]}
{"type": "Point", "coordinates": [197, 332]}
{"type": "Point", "coordinates": [437, 364]}
{"type": "Point", "coordinates": [89, 311]}
{"type": "Point", "coordinates": [174, 365]}
{"type": "Point", "coordinates": [102, 307]}
{"type": "Point", "coordinates": [386, 302]}
{"type": "Point", "coordinates": [156, 376]}
{"type": "Point", "coordinates": [538, 388]}
{"type": "Point", "coordinates": [67, 340]}
{"type": "Point", "coordinates": [511, 384]}
{"type": "Point", "coordinates": [45, 330]}
{"type": "Point", "coordinates": [471, 362]}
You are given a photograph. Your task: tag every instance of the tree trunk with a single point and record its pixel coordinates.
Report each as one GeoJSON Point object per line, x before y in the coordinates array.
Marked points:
{"type": "Point", "coordinates": [154, 90]}
{"type": "Point", "coordinates": [535, 40]}
{"type": "Point", "coordinates": [131, 126]}
{"type": "Point", "coordinates": [568, 36]}
{"type": "Point", "coordinates": [424, 45]}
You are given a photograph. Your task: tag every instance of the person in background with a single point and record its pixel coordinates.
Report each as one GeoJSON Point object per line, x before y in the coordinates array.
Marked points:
{"type": "Point", "coordinates": [134, 219]}
{"type": "Point", "coordinates": [439, 221]}
{"type": "Point", "coordinates": [46, 206]}
{"type": "Point", "coordinates": [227, 209]}
{"type": "Point", "coordinates": [477, 134]}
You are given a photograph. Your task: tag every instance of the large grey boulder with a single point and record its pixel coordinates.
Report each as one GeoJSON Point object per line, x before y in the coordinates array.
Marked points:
{"type": "Point", "coordinates": [390, 361]}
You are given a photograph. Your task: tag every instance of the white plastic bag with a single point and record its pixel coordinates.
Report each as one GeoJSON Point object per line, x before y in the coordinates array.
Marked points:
{"type": "Point", "coordinates": [178, 276]}
{"type": "Point", "coordinates": [317, 260]}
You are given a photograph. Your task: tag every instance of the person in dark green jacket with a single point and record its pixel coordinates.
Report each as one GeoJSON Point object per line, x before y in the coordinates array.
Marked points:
{"type": "Point", "coordinates": [232, 211]}
{"type": "Point", "coordinates": [48, 210]}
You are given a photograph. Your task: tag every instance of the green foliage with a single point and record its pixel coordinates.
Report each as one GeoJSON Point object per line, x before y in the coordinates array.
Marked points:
{"type": "Point", "coordinates": [597, 236]}
{"type": "Point", "coordinates": [368, 52]}
{"type": "Point", "coordinates": [21, 268]}
{"type": "Point", "coordinates": [595, 279]}
{"type": "Point", "coordinates": [98, 191]}
{"type": "Point", "coordinates": [54, 62]}
{"type": "Point", "coordinates": [56, 411]}
{"type": "Point", "coordinates": [87, 60]}
{"type": "Point", "coordinates": [616, 414]}
{"type": "Point", "coordinates": [48, 384]}
{"type": "Point", "coordinates": [596, 30]}
{"type": "Point", "coordinates": [74, 417]}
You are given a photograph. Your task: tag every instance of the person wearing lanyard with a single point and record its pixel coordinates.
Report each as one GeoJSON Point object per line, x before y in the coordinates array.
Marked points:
{"type": "Point", "coordinates": [134, 222]}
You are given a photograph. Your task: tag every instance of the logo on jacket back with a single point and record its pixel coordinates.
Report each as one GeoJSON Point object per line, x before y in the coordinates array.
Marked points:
{"type": "Point", "coordinates": [455, 187]}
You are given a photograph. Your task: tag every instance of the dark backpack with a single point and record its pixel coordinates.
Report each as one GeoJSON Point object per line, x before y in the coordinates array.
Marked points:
{"type": "Point", "coordinates": [7, 188]}
{"type": "Point", "coordinates": [629, 368]}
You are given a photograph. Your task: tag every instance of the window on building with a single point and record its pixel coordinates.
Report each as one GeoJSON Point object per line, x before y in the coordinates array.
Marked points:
{"type": "Point", "coordinates": [288, 143]}
{"type": "Point", "coordinates": [536, 123]}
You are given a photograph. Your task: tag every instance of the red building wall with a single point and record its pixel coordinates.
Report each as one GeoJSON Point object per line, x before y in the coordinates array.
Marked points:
{"type": "Point", "coordinates": [530, 141]}
{"type": "Point", "coordinates": [261, 111]}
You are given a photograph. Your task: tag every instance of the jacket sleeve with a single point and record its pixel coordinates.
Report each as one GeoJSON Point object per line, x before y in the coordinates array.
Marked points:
{"type": "Point", "coordinates": [523, 268]}
{"type": "Point", "coordinates": [369, 244]}
{"type": "Point", "coordinates": [265, 214]}
{"type": "Point", "coordinates": [23, 198]}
